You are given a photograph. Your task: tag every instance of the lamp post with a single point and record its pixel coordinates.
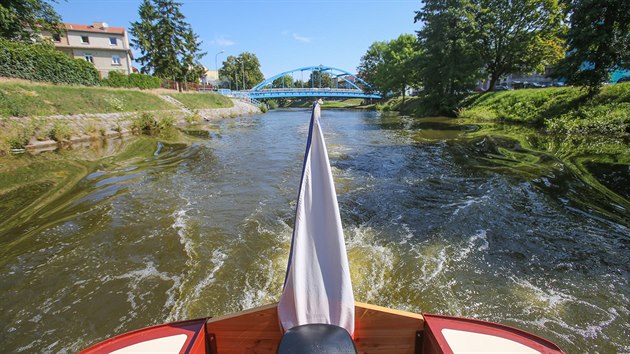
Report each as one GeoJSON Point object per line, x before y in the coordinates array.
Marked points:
{"type": "Point", "coordinates": [243, 67]}
{"type": "Point", "coordinates": [216, 66]}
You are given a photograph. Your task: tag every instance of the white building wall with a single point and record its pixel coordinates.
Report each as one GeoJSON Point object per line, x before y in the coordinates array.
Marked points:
{"type": "Point", "coordinates": [102, 50]}
{"type": "Point", "coordinates": [100, 40]}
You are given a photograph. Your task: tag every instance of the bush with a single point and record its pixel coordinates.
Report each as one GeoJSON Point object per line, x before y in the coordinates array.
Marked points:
{"type": "Point", "coordinates": [60, 131]}
{"type": "Point", "coordinates": [141, 81]}
{"type": "Point", "coordinates": [19, 136]}
{"type": "Point", "coordinates": [144, 82]}
{"type": "Point", "coordinates": [147, 122]}
{"type": "Point", "coordinates": [42, 62]}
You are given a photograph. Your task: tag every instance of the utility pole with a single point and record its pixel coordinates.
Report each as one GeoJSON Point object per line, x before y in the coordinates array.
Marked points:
{"type": "Point", "coordinates": [216, 66]}
{"type": "Point", "coordinates": [243, 66]}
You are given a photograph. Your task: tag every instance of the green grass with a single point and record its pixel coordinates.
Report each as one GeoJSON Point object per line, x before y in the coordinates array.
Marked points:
{"type": "Point", "coordinates": [562, 110]}
{"type": "Point", "coordinates": [24, 99]}
{"type": "Point", "coordinates": [202, 100]}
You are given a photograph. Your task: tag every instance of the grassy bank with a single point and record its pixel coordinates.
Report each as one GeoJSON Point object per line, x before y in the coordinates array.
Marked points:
{"type": "Point", "coordinates": [26, 109]}
{"type": "Point", "coordinates": [562, 110]}
{"type": "Point", "coordinates": [202, 100]}
{"type": "Point", "coordinates": [26, 99]}
{"type": "Point", "coordinates": [566, 110]}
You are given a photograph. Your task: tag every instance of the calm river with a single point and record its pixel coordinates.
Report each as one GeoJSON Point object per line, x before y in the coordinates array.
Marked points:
{"type": "Point", "coordinates": [440, 216]}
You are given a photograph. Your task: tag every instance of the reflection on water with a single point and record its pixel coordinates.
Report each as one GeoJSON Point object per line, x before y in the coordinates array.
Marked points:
{"type": "Point", "coordinates": [447, 216]}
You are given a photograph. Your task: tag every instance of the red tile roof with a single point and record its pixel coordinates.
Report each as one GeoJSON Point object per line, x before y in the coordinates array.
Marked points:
{"type": "Point", "coordinates": [90, 28]}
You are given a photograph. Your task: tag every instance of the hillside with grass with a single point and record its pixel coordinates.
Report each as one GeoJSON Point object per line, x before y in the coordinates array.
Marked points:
{"type": "Point", "coordinates": [27, 99]}
{"type": "Point", "coordinates": [202, 100]}
{"type": "Point", "coordinates": [567, 110]}
{"type": "Point", "coordinates": [563, 110]}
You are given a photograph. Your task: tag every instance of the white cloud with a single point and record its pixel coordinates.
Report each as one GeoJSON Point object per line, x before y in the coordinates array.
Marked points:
{"type": "Point", "coordinates": [302, 39]}
{"type": "Point", "coordinates": [222, 41]}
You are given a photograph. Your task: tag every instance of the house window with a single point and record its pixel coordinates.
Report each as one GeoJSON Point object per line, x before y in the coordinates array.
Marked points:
{"type": "Point", "coordinates": [112, 41]}
{"type": "Point", "coordinates": [56, 37]}
{"type": "Point", "coordinates": [85, 39]}
{"type": "Point", "coordinates": [115, 59]}
{"type": "Point", "coordinates": [88, 57]}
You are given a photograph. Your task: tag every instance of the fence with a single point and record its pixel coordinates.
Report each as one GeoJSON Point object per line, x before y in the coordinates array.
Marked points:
{"type": "Point", "coordinates": [185, 86]}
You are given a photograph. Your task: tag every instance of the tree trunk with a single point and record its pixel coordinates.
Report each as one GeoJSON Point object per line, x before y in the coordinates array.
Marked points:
{"type": "Point", "coordinates": [493, 82]}
{"type": "Point", "coordinates": [403, 92]}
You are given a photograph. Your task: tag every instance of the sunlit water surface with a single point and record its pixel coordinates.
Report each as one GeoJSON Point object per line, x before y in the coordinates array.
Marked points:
{"type": "Point", "coordinates": [440, 216]}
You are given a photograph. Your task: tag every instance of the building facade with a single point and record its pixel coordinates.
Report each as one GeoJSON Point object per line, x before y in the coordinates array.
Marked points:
{"type": "Point", "coordinates": [105, 47]}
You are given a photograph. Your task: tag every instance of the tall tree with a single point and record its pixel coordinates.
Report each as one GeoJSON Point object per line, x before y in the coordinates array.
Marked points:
{"type": "Point", "coordinates": [143, 36]}
{"type": "Point", "coordinates": [401, 59]}
{"type": "Point", "coordinates": [319, 79]}
{"type": "Point", "coordinates": [242, 70]}
{"type": "Point", "coordinates": [168, 46]}
{"type": "Point", "coordinates": [283, 81]}
{"type": "Point", "coordinates": [391, 66]}
{"type": "Point", "coordinates": [372, 68]}
{"type": "Point", "coordinates": [598, 41]}
{"type": "Point", "coordinates": [518, 36]}
{"type": "Point", "coordinates": [450, 62]}
{"type": "Point", "coordinates": [25, 20]}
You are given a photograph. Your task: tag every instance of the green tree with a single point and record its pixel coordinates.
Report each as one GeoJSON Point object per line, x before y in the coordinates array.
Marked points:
{"type": "Point", "coordinates": [143, 36]}
{"type": "Point", "coordinates": [244, 69]}
{"type": "Point", "coordinates": [168, 46]}
{"type": "Point", "coordinates": [518, 36]}
{"type": "Point", "coordinates": [401, 59]}
{"type": "Point", "coordinates": [319, 79]}
{"type": "Point", "coordinates": [283, 81]}
{"type": "Point", "coordinates": [372, 68]}
{"type": "Point", "coordinates": [391, 66]}
{"type": "Point", "coordinates": [449, 66]}
{"type": "Point", "coordinates": [25, 20]}
{"type": "Point", "coordinates": [191, 67]}
{"type": "Point", "coordinates": [598, 42]}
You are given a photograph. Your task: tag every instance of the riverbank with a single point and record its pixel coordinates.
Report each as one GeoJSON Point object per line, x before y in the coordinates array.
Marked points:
{"type": "Point", "coordinates": [560, 110]}
{"type": "Point", "coordinates": [34, 115]}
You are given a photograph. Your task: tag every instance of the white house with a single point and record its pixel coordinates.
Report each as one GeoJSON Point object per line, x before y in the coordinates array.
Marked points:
{"type": "Point", "coordinates": [105, 47]}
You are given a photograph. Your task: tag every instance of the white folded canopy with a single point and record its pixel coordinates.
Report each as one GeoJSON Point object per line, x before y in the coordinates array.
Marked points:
{"type": "Point", "coordinates": [317, 288]}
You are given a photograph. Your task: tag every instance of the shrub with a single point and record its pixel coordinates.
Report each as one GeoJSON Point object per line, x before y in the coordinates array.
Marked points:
{"type": "Point", "coordinates": [20, 136]}
{"type": "Point", "coordinates": [141, 81]}
{"type": "Point", "coordinates": [144, 82]}
{"type": "Point", "coordinates": [60, 131]}
{"type": "Point", "coordinates": [143, 122]}
{"type": "Point", "coordinates": [148, 123]}
{"type": "Point", "coordinates": [165, 122]}
{"type": "Point", "coordinates": [42, 62]}
{"type": "Point", "coordinates": [263, 107]}
{"type": "Point", "coordinates": [193, 118]}
{"type": "Point", "coordinates": [116, 79]}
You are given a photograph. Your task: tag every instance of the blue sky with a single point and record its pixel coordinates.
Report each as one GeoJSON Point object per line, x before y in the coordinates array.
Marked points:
{"type": "Point", "coordinates": [283, 34]}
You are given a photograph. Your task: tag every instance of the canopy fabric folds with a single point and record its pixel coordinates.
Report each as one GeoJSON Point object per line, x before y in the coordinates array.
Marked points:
{"type": "Point", "coordinates": [317, 287]}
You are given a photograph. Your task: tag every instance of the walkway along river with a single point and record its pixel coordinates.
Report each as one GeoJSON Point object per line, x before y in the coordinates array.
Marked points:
{"type": "Point", "coordinates": [441, 216]}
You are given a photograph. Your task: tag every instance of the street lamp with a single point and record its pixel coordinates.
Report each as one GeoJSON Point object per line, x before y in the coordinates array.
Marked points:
{"type": "Point", "coordinates": [242, 70]}
{"type": "Point", "coordinates": [216, 66]}
{"type": "Point", "coordinates": [243, 65]}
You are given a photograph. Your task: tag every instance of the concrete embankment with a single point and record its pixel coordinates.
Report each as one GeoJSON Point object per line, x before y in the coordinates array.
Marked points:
{"type": "Point", "coordinates": [90, 126]}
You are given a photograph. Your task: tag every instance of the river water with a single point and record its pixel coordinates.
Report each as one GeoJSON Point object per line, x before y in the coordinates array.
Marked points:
{"type": "Point", "coordinates": [446, 216]}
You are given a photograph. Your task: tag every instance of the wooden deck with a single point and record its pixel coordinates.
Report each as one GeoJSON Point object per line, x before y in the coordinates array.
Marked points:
{"type": "Point", "coordinates": [378, 330]}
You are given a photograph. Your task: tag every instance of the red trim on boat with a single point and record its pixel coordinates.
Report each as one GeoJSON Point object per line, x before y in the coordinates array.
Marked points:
{"type": "Point", "coordinates": [437, 343]}
{"type": "Point", "coordinates": [193, 329]}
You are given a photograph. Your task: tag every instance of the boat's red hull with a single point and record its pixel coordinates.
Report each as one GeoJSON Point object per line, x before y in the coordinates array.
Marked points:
{"type": "Point", "coordinates": [378, 330]}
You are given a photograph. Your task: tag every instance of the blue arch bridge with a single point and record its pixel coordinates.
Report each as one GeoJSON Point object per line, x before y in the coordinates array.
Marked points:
{"type": "Point", "coordinates": [337, 83]}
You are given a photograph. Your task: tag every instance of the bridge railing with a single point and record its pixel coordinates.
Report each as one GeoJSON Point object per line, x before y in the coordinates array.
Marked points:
{"type": "Point", "coordinates": [305, 89]}
{"type": "Point", "coordinates": [240, 95]}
